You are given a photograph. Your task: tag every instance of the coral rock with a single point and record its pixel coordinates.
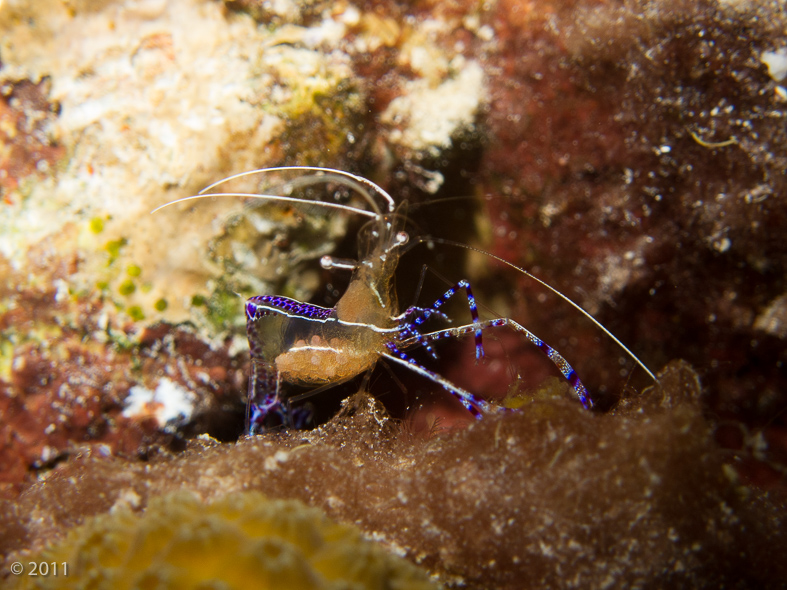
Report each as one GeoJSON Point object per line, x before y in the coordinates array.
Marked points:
{"type": "Point", "coordinates": [241, 541]}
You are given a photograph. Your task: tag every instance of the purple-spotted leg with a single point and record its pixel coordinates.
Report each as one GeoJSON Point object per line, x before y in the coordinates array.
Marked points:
{"type": "Point", "coordinates": [477, 407]}
{"type": "Point", "coordinates": [554, 355]}
{"type": "Point", "coordinates": [265, 319]}
{"type": "Point", "coordinates": [421, 314]}
{"type": "Point", "coordinates": [408, 332]}
{"type": "Point", "coordinates": [263, 396]}
{"type": "Point", "coordinates": [263, 392]}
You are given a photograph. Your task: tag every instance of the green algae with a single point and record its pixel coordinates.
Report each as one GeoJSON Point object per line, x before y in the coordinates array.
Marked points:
{"type": "Point", "coordinates": [224, 310]}
{"type": "Point", "coordinates": [114, 248]}
{"type": "Point", "coordinates": [127, 287]}
{"type": "Point", "coordinates": [135, 313]}
{"type": "Point", "coordinates": [97, 225]}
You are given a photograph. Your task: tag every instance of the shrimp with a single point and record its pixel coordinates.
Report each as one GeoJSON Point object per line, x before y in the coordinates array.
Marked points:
{"type": "Point", "coordinates": [307, 345]}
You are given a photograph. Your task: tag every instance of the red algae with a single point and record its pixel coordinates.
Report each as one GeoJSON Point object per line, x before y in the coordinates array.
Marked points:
{"type": "Point", "coordinates": [28, 150]}
{"type": "Point", "coordinates": [68, 372]}
{"type": "Point", "coordinates": [640, 158]}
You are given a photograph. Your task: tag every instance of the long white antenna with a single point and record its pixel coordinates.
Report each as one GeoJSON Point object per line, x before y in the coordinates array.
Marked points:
{"type": "Point", "coordinates": [326, 204]}
{"type": "Point", "coordinates": [330, 174]}
{"type": "Point", "coordinates": [555, 291]}
{"type": "Point", "coordinates": [325, 175]}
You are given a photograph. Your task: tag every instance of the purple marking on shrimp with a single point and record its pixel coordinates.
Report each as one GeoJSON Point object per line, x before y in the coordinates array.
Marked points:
{"type": "Point", "coordinates": [473, 405]}
{"type": "Point", "coordinates": [427, 312]}
{"type": "Point", "coordinates": [557, 359]}
{"type": "Point", "coordinates": [292, 307]}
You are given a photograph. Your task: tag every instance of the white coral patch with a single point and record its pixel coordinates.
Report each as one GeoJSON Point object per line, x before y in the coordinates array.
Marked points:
{"type": "Point", "coordinates": [170, 402]}
{"type": "Point", "coordinates": [426, 118]}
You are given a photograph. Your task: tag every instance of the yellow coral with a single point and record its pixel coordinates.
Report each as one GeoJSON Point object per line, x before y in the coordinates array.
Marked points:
{"type": "Point", "coordinates": [243, 541]}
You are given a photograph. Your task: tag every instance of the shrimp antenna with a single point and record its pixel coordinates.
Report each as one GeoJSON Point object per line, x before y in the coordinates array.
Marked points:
{"type": "Point", "coordinates": [565, 298]}
{"type": "Point", "coordinates": [280, 198]}
{"type": "Point", "coordinates": [352, 181]}
{"type": "Point", "coordinates": [359, 183]}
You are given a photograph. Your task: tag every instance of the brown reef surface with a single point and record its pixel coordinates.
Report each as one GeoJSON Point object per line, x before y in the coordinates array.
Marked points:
{"type": "Point", "coordinates": [545, 496]}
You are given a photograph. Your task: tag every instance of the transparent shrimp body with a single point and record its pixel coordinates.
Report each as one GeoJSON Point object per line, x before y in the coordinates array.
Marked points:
{"type": "Point", "coordinates": [316, 347]}
{"type": "Point", "coordinates": [308, 345]}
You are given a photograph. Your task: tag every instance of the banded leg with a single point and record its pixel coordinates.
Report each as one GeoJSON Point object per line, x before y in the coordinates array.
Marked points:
{"type": "Point", "coordinates": [408, 333]}
{"type": "Point", "coordinates": [265, 404]}
{"type": "Point", "coordinates": [425, 313]}
{"type": "Point", "coordinates": [477, 407]}
{"type": "Point", "coordinates": [558, 360]}
{"type": "Point", "coordinates": [263, 397]}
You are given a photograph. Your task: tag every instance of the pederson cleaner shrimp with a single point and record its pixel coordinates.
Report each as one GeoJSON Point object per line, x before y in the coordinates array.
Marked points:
{"type": "Point", "coordinates": [306, 345]}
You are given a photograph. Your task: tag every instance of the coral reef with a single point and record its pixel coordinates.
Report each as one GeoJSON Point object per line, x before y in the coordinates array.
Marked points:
{"type": "Point", "coordinates": [67, 369]}
{"type": "Point", "coordinates": [631, 153]}
{"type": "Point", "coordinates": [549, 495]}
{"type": "Point", "coordinates": [240, 541]}
{"type": "Point", "coordinates": [133, 104]}
{"type": "Point", "coordinates": [156, 100]}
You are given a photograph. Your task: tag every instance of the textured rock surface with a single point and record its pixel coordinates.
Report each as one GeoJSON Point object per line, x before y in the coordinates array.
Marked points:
{"type": "Point", "coordinates": [641, 146]}
{"type": "Point", "coordinates": [548, 495]}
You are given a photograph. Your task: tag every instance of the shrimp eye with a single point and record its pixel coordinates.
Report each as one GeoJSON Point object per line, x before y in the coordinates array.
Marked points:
{"type": "Point", "coordinates": [402, 238]}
